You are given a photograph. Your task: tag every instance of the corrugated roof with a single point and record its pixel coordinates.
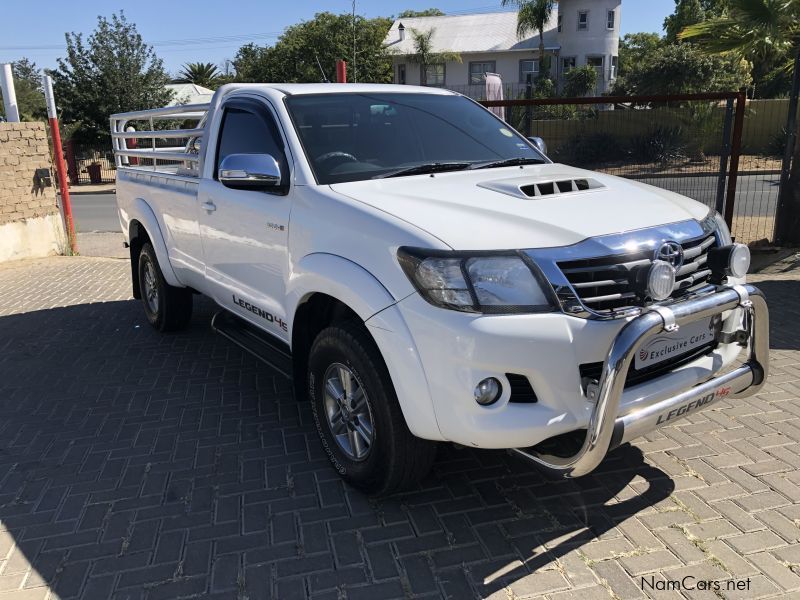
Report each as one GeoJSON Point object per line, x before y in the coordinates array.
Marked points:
{"type": "Point", "coordinates": [189, 93]}
{"type": "Point", "coordinates": [485, 32]}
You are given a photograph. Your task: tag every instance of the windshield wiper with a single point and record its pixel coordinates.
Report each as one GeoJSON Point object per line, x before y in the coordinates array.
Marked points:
{"type": "Point", "coordinates": [434, 167]}
{"type": "Point", "coordinates": [508, 162]}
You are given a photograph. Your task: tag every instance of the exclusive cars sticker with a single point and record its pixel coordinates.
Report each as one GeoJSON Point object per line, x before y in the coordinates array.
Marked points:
{"type": "Point", "coordinates": [664, 347]}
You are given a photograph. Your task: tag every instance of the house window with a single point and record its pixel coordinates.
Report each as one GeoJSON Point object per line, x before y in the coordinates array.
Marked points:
{"type": "Point", "coordinates": [614, 63]}
{"type": "Point", "coordinates": [611, 19]}
{"type": "Point", "coordinates": [567, 63]}
{"type": "Point", "coordinates": [560, 22]}
{"type": "Point", "coordinates": [596, 62]}
{"type": "Point", "coordinates": [478, 69]}
{"type": "Point", "coordinates": [401, 74]}
{"type": "Point", "coordinates": [583, 20]}
{"type": "Point", "coordinates": [434, 75]}
{"type": "Point", "coordinates": [528, 68]}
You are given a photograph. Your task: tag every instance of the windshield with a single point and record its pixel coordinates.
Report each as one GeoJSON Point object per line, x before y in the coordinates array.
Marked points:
{"type": "Point", "coordinates": [357, 136]}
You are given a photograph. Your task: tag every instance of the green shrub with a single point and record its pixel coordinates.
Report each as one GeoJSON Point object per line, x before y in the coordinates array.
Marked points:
{"type": "Point", "coordinates": [591, 149]}
{"type": "Point", "coordinates": [579, 81]}
{"type": "Point", "coordinates": [661, 145]}
{"type": "Point", "coordinates": [777, 144]}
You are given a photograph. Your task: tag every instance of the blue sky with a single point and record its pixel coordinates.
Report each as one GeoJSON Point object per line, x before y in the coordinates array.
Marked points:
{"type": "Point", "coordinates": [36, 29]}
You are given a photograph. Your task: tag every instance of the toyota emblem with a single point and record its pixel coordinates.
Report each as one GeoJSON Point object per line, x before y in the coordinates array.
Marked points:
{"type": "Point", "coordinates": [670, 252]}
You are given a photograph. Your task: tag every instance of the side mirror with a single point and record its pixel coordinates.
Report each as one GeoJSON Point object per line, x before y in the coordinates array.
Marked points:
{"type": "Point", "coordinates": [249, 171]}
{"type": "Point", "coordinates": [539, 144]}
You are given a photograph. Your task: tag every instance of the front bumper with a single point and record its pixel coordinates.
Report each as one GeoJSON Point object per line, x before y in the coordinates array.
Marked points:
{"type": "Point", "coordinates": [607, 428]}
{"type": "Point", "coordinates": [456, 350]}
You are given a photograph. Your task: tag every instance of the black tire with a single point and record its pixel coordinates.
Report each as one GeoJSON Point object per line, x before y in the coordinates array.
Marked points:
{"type": "Point", "coordinates": [170, 309]}
{"type": "Point", "coordinates": [396, 459]}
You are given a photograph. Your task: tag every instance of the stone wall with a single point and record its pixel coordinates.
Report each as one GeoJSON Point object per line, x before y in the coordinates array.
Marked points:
{"type": "Point", "coordinates": [30, 221]}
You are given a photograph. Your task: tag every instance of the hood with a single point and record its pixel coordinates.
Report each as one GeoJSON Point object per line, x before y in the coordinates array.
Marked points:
{"type": "Point", "coordinates": [537, 206]}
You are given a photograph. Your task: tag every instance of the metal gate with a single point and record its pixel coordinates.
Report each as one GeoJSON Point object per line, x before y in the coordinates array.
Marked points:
{"type": "Point", "coordinates": [691, 144]}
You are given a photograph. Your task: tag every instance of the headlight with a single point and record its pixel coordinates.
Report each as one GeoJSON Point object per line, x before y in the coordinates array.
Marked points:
{"type": "Point", "coordinates": [715, 222]}
{"type": "Point", "coordinates": [470, 282]}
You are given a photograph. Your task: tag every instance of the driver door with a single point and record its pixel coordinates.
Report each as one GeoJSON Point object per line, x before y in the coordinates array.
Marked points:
{"type": "Point", "coordinates": [245, 231]}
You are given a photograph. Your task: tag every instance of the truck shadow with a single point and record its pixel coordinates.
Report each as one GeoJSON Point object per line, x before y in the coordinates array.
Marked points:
{"type": "Point", "coordinates": [154, 466]}
{"type": "Point", "coordinates": [782, 297]}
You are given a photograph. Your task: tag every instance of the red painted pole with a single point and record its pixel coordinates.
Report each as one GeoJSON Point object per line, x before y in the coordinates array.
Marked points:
{"type": "Point", "coordinates": [61, 167]}
{"type": "Point", "coordinates": [341, 71]}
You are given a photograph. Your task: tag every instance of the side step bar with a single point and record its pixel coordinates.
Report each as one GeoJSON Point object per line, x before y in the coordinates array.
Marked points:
{"type": "Point", "coordinates": [263, 346]}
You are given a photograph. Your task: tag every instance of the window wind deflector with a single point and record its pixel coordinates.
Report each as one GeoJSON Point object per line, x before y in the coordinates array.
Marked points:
{"type": "Point", "coordinates": [436, 167]}
{"type": "Point", "coordinates": [508, 162]}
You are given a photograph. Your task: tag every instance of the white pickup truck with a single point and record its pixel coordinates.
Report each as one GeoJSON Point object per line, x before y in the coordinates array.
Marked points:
{"type": "Point", "coordinates": [424, 274]}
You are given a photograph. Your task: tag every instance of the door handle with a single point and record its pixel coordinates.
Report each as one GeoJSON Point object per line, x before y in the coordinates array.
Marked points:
{"type": "Point", "coordinates": [209, 206]}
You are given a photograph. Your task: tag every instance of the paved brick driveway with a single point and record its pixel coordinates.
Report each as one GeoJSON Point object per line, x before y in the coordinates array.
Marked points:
{"type": "Point", "coordinates": [139, 466]}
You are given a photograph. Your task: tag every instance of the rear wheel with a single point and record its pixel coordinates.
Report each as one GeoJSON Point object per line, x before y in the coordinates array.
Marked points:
{"type": "Point", "coordinates": [167, 308]}
{"type": "Point", "coordinates": [357, 415]}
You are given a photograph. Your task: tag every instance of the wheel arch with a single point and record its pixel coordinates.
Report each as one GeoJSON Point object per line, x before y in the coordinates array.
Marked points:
{"type": "Point", "coordinates": [142, 228]}
{"type": "Point", "coordinates": [319, 297]}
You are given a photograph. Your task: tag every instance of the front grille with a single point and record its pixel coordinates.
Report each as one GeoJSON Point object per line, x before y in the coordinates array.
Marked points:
{"type": "Point", "coordinates": [603, 283]}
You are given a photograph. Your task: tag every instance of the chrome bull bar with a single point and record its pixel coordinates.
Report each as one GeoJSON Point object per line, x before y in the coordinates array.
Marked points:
{"type": "Point", "coordinates": [607, 430]}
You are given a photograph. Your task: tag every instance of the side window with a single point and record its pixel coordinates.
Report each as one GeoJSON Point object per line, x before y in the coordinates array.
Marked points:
{"type": "Point", "coordinates": [245, 132]}
{"type": "Point", "coordinates": [583, 20]}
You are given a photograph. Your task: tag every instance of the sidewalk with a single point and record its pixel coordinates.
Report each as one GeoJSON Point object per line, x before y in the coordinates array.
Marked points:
{"type": "Point", "coordinates": [88, 188]}
{"type": "Point", "coordinates": [139, 465]}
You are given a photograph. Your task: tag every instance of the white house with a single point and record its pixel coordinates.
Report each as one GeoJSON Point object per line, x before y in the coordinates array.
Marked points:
{"type": "Point", "coordinates": [580, 32]}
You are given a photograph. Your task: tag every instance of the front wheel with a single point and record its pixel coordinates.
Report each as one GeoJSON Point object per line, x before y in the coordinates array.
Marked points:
{"type": "Point", "coordinates": [357, 414]}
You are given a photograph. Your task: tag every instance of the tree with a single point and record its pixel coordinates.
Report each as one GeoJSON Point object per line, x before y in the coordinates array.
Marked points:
{"type": "Point", "coordinates": [534, 15]}
{"type": "Point", "coordinates": [753, 29]}
{"type": "Point", "coordinates": [112, 71]}
{"type": "Point", "coordinates": [689, 12]}
{"type": "Point", "coordinates": [425, 55]}
{"type": "Point", "coordinates": [683, 69]}
{"type": "Point", "coordinates": [308, 49]}
{"type": "Point", "coordinates": [28, 89]}
{"type": "Point", "coordinates": [428, 12]}
{"type": "Point", "coordinates": [203, 74]}
{"type": "Point", "coordinates": [579, 81]}
{"type": "Point", "coordinates": [636, 48]}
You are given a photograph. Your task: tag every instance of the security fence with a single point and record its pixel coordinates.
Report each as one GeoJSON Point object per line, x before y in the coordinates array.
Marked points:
{"type": "Point", "coordinates": [92, 166]}
{"type": "Point", "coordinates": [717, 148]}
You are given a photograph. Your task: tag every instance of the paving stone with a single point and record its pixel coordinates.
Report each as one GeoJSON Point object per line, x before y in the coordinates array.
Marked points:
{"type": "Point", "coordinates": [776, 570]}
{"type": "Point", "coordinates": [539, 583]}
{"type": "Point", "coordinates": [748, 543]}
{"type": "Point", "coordinates": [619, 581]}
{"type": "Point", "coordinates": [649, 562]}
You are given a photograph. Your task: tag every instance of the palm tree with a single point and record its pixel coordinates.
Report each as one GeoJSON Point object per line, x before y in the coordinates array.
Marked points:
{"type": "Point", "coordinates": [204, 74]}
{"type": "Point", "coordinates": [534, 15]}
{"type": "Point", "coordinates": [752, 29]}
{"type": "Point", "coordinates": [425, 56]}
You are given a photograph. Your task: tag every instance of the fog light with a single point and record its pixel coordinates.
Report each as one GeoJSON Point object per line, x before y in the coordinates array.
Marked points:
{"type": "Point", "coordinates": [740, 260]}
{"type": "Point", "coordinates": [733, 260]}
{"type": "Point", "coordinates": [488, 391]}
{"type": "Point", "coordinates": [660, 280]}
